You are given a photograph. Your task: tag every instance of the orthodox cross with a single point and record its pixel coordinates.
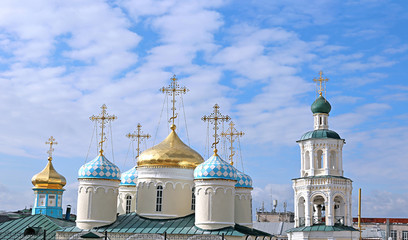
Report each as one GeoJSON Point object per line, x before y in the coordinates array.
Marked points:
{"type": "Point", "coordinates": [139, 137]}
{"type": "Point", "coordinates": [213, 118]}
{"type": "Point", "coordinates": [51, 141]}
{"type": "Point", "coordinates": [231, 134]}
{"type": "Point", "coordinates": [103, 118]}
{"type": "Point", "coordinates": [321, 80]}
{"type": "Point", "coordinates": [173, 90]}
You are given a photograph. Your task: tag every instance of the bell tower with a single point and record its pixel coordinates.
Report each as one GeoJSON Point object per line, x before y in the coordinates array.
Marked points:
{"type": "Point", "coordinates": [322, 194]}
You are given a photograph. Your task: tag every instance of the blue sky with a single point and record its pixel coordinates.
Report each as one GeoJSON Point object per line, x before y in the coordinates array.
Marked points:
{"type": "Point", "coordinates": [60, 61]}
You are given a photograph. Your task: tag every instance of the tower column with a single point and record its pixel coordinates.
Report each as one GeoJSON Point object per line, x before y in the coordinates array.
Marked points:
{"type": "Point", "coordinates": [307, 211]}
{"type": "Point", "coordinates": [326, 160]}
{"type": "Point", "coordinates": [329, 209]}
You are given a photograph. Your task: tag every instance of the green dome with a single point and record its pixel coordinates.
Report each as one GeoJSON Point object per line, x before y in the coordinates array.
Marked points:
{"type": "Point", "coordinates": [321, 105]}
{"type": "Point", "coordinates": [320, 133]}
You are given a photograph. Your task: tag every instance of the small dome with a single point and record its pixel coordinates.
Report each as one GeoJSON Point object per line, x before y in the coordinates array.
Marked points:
{"type": "Point", "coordinates": [48, 178]}
{"type": "Point", "coordinates": [129, 177]}
{"type": "Point", "coordinates": [172, 152]}
{"type": "Point", "coordinates": [215, 168]}
{"type": "Point", "coordinates": [320, 133]}
{"type": "Point", "coordinates": [99, 168]}
{"type": "Point", "coordinates": [244, 181]}
{"type": "Point", "coordinates": [321, 105]}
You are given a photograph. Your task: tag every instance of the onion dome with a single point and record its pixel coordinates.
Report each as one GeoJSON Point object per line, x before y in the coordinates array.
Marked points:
{"type": "Point", "coordinates": [129, 177]}
{"type": "Point", "coordinates": [215, 168]}
{"type": "Point", "coordinates": [320, 133]}
{"type": "Point", "coordinates": [48, 178]}
{"type": "Point", "coordinates": [243, 180]}
{"type": "Point", "coordinates": [321, 105]}
{"type": "Point", "coordinates": [99, 168]}
{"type": "Point", "coordinates": [172, 152]}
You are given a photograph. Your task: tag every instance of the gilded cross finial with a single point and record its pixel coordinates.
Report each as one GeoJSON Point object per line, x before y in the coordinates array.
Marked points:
{"type": "Point", "coordinates": [51, 141]}
{"type": "Point", "coordinates": [173, 90]}
{"type": "Point", "coordinates": [321, 80]}
{"type": "Point", "coordinates": [103, 118]}
{"type": "Point", "coordinates": [214, 118]}
{"type": "Point", "coordinates": [139, 136]}
{"type": "Point", "coordinates": [231, 135]}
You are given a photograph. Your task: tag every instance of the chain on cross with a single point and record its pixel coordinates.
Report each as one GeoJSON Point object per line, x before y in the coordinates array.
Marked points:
{"type": "Point", "coordinates": [139, 136]}
{"type": "Point", "coordinates": [231, 135]}
{"type": "Point", "coordinates": [214, 118]}
{"type": "Point", "coordinates": [321, 80]}
{"type": "Point", "coordinates": [102, 118]}
{"type": "Point", "coordinates": [174, 90]}
{"type": "Point", "coordinates": [51, 141]}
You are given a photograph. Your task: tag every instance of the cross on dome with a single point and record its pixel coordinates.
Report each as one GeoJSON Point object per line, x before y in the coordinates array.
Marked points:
{"type": "Point", "coordinates": [174, 90]}
{"type": "Point", "coordinates": [213, 118]}
{"type": "Point", "coordinates": [231, 135]}
{"type": "Point", "coordinates": [103, 118]}
{"type": "Point", "coordinates": [321, 80]}
{"type": "Point", "coordinates": [51, 141]}
{"type": "Point", "coordinates": [139, 136]}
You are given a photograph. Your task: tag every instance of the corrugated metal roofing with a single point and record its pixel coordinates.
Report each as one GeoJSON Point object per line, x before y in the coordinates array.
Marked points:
{"type": "Point", "coordinates": [322, 228]}
{"type": "Point", "coordinates": [13, 228]}
{"type": "Point", "coordinates": [133, 223]}
{"type": "Point", "coordinates": [274, 228]}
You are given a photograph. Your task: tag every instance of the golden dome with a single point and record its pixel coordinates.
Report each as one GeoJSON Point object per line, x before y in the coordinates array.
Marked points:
{"type": "Point", "coordinates": [48, 178]}
{"type": "Point", "coordinates": [172, 152]}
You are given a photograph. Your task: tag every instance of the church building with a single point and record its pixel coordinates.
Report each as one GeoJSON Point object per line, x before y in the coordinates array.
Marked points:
{"type": "Point", "coordinates": [171, 193]}
{"type": "Point", "coordinates": [322, 194]}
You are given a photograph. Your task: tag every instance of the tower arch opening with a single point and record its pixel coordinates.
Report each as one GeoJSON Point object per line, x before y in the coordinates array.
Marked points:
{"type": "Point", "coordinates": [319, 210]}
{"type": "Point", "coordinates": [339, 210]}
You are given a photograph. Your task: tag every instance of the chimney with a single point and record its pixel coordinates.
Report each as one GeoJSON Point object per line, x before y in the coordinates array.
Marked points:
{"type": "Point", "coordinates": [68, 212]}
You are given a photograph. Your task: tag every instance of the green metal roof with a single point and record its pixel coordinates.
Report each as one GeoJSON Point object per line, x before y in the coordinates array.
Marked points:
{"type": "Point", "coordinates": [321, 105]}
{"type": "Point", "coordinates": [320, 133]}
{"type": "Point", "coordinates": [14, 229]}
{"type": "Point", "coordinates": [133, 223]}
{"type": "Point", "coordinates": [322, 176]}
{"type": "Point", "coordinates": [322, 228]}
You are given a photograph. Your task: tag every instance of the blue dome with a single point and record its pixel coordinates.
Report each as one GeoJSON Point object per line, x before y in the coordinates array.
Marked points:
{"type": "Point", "coordinates": [129, 177]}
{"type": "Point", "coordinates": [215, 168]}
{"type": "Point", "coordinates": [99, 168]}
{"type": "Point", "coordinates": [244, 181]}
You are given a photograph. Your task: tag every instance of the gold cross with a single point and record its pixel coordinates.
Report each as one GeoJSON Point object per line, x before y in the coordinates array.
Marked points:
{"type": "Point", "coordinates": [51, 141]}
{"type": "Point", "coordinates": [139, 137]}
{"type": "Point", "coordinates": [231, 135]}
{"type": "Point", "coordinates": [213, 118]}
{"type": "Point", "coordinates": [321, 80]}
{"type": "Point", "coordinates": [173, 90]}
{"type": "Point", "coordinates": [103, 118]}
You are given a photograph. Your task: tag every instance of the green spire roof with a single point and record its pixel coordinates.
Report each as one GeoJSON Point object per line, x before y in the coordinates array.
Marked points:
{"type": "Point", "coordinates": [321, 105]}
{"type": "Point", "coordinates": [320, 133]}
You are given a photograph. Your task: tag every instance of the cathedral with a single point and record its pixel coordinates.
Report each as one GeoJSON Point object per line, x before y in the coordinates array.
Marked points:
{"type": "Point", "coordinates": [173, 193]}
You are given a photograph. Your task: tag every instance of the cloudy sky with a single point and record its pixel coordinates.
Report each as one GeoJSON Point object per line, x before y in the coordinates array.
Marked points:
{"type": "Point", "coordinates": [61, 60]}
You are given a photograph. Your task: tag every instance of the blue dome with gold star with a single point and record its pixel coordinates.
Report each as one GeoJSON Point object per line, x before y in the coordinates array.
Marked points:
{"type": "Point", "coordinates": [215, 168]}
{"type": "Point", "coordinates": [243, 180]}
{"type": "Point", "coordinates": [99, 168]}
{"type": "Point", "coordinates": [129, 178]}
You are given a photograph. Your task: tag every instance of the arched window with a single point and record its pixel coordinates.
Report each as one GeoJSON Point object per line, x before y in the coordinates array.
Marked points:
{"type": "Point", "coordinates": [193, 199]}
{"type": "Point", "coordinates": [319, 159]}
{"type": "Point", "coordinates": [128, 203]}
{"type": "Point", "coordinates": [333, 163]}
{"type": "Point", "coordinates": [159, 198]}
{"type": "Point", "coordinates": [307, 160]}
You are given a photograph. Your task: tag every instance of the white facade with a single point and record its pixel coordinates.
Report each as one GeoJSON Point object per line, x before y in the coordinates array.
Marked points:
{"type": "Point", "coordinates": [215, 201]}
{"type": "Point", "coordinates": [97, 202]}
{"type": "Point", "coordinates": [164, 192]}
{"type": "Point", "coordinates": [127, 199]}
{"type": "Point", "coordinates": [243, 206]}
